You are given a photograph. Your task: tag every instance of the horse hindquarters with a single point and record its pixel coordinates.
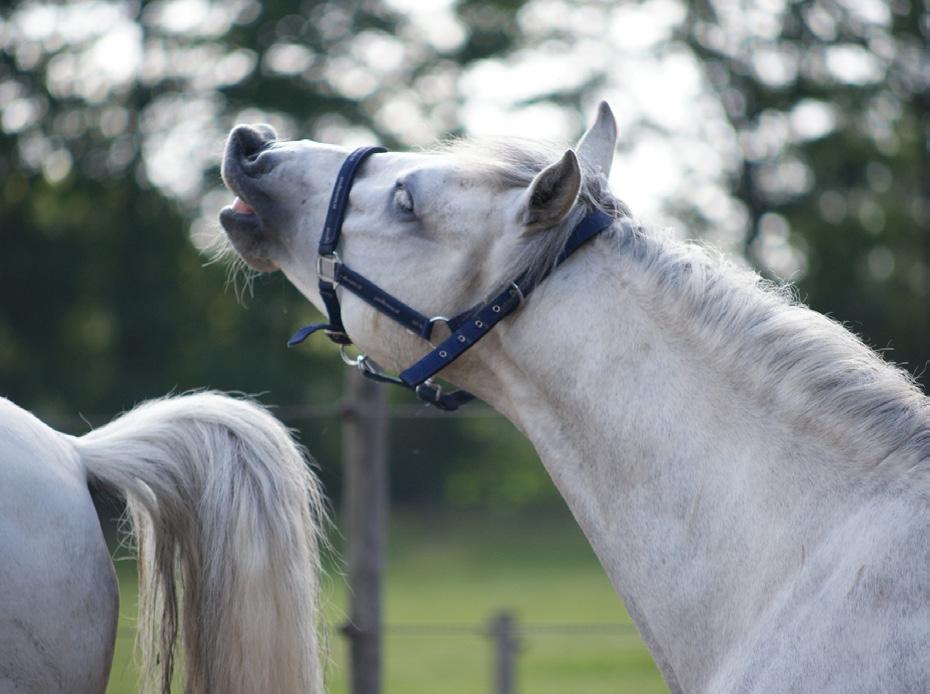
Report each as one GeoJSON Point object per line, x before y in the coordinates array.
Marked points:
{"type": "Point", "coordinates": [58, 592]}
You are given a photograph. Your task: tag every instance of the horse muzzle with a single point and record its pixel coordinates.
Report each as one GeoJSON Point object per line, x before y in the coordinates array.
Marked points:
{"type": "Point", "coordinates": [245, 161]}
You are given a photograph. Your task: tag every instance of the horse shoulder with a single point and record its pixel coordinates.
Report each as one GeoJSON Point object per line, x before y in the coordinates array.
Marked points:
{"type": "Point", "coordinates": [856, 615]}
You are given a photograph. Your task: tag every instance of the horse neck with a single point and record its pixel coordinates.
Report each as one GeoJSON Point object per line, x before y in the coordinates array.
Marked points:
{"type": "Point", "coordinates": [700, 503]}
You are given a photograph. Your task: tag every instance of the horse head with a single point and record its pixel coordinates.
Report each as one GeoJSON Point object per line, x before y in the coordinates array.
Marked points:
{"type": "Point", "coordinates": [437, 229]}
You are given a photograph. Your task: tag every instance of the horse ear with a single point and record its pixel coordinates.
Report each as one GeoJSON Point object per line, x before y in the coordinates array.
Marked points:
{"type": "Point", "coordinates": [596, 146]}
{"type": "Point", "coordinates": [551, 195]}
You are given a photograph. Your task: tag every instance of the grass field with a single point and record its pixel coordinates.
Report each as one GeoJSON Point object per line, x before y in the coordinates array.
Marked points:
{"type": "Point", "coordinates": [458, 569]}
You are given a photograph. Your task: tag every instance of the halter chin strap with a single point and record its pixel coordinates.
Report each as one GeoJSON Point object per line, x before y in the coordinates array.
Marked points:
{"type": "Point", "coordinates": [467, 327]}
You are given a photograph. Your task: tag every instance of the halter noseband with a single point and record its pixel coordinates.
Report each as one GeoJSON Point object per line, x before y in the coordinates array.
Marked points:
{"type": "Point", "coordinates": [467, 327]}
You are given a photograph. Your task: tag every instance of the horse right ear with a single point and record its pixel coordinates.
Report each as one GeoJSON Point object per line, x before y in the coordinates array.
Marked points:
{"type": "Point", "coordinates": [552, 194]}
{"type": "Point", "coordinates": [596, 147]}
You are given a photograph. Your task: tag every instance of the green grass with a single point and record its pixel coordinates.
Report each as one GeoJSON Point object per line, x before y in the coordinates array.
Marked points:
{"type": "Point", "coordinates": [459, 569]}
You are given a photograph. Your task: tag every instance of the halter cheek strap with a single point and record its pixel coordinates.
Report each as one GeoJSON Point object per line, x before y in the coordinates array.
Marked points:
{"type": "Point", "coordinates": [467, 327]}
{"type": "Point", "coordinates": [329, 239]}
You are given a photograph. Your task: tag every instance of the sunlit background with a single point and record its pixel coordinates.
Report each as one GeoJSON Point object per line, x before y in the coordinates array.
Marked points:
{"type": "Point", "coordinates": [793, 135]}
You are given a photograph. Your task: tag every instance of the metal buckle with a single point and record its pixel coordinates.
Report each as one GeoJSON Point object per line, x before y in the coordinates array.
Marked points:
{"type": "Point", "coordinates": [519, 292]}
{"type": "Point", "coordinates": [333, 259]}
{"type": "Point", "coordinates": [433, 391]}
{"type": "Point", "coordinates": [338, 336]}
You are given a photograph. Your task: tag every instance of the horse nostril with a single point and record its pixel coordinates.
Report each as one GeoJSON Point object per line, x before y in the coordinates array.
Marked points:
{"type": "Point", "coordinates": [253, 139]}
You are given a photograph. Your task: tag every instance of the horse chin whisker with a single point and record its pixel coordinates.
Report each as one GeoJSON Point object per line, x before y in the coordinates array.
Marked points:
{"type": "Point", "coordinates": [218, 250]}
{"type": "Point", "coordinates": [239, 276]}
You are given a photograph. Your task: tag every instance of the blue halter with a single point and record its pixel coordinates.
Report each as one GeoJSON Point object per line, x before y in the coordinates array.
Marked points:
{"type": "Point", "coordinates": [467, 327]}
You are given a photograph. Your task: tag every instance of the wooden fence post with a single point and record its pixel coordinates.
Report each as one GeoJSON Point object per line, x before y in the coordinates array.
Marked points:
{"type": "Point", "coordinates": [503, 630]}
{"type": "Point", "coordinates": [365, 499]}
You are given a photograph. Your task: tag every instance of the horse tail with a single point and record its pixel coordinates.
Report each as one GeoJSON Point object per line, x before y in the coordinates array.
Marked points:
{"type": "Point", "coordinates": [227, 518]}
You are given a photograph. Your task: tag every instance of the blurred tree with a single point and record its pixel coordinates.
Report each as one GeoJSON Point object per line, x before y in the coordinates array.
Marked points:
{"type": "Point", "coordinates": [113, 115]}
{"type": "Point", "coordinates": [112, 120]}
{"type": "Point", "coordinates": [828, 101]}
{"type": "Point", "coordinates": [111, 303]}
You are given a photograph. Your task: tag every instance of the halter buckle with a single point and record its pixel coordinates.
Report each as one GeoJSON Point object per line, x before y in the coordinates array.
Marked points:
{"type": "Point", "coordinates": [429, 391]}
{"type": "Point", "coordinates": [338, 336]}
{"type": "Point", "coordinates": [334, 261]}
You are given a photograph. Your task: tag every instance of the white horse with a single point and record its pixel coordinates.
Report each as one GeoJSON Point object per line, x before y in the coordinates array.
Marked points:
{"type": "Point", "coordinates": [226, 515]}
{"type": "Point", "coordinates": [752, 477]}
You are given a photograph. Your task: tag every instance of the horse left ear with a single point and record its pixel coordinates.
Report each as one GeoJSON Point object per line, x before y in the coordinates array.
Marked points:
{"type": "Point", "coordinates": [552, 194]}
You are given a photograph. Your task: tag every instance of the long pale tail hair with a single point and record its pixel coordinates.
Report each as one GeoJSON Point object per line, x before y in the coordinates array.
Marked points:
{"type": "Point", "coordinates": [227, 518]}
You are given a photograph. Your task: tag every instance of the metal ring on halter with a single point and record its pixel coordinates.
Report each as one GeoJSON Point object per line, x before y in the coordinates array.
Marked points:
{"type": "Point", "coordinates": [357, 361]}
{"type": "Point", "coordinates": [519, 291]}
{"type": "Point", "coordinates": [437, 319]}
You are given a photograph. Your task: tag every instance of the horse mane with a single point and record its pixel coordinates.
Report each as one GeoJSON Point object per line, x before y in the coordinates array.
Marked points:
{"type": "Point", "coordinates": [826, 377]}
{"type": "Point", "coordinates": [807, 365]}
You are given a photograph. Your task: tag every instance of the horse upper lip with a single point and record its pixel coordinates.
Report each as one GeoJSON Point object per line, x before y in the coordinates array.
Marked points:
{"type": "Point", "coordinates": [233, 183]}
{"type": "Point", "coordinates": [237, 176]}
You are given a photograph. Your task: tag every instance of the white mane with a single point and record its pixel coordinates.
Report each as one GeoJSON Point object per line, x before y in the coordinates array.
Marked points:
{"type": "Point", "coordinates": [800, 362]}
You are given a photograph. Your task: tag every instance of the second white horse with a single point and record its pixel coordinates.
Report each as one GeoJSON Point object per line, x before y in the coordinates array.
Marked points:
{"type": "Point", "coordinates": [226, 514]}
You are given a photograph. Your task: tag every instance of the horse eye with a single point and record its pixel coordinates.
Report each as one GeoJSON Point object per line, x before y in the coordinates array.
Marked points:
{"type": "Point", "coordinates": [403, 199]}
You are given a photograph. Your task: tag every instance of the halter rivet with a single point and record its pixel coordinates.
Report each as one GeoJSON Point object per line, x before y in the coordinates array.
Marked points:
{"type": "Point", "coordinates": [461, 338]}
{"type": "Point", "coordinates": [496, 309]}
{"type": "Point", "coordinates": [479, 324]}
{"type": "Point", "coordinates": [443, 354]}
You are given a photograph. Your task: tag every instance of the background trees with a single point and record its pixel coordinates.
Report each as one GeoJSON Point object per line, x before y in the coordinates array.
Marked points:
{"type": "Point", "coordinates": [794, 133]}
{"type": "Point", "coordinates": [828, 101]}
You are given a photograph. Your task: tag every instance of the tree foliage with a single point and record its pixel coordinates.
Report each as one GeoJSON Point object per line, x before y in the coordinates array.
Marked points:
{"type": "Point", "coordinates": [829, 103]}
{"type": "Point", "coordinates": [113, 117]}
{"type": "Point", "coordinates": [113, 114]}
